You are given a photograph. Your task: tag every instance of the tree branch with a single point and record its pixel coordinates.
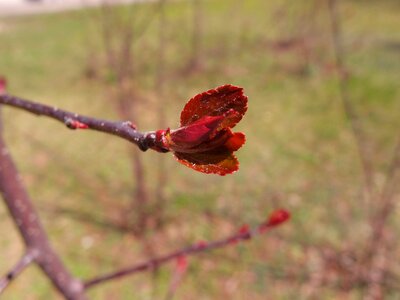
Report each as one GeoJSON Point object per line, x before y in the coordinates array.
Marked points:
{"type": "Point", "coordinates": [379, 220]}
{"type": "Point", "coordinates": [125, 130]}
{"type": "Point", "coordinates": [21, 265]}
{"type": "Point", "coordinates": [27, 222]}
{"type": "Point", "coordinates": [243, 235]}
{"type": "Point", "coordinates": [351, 113]}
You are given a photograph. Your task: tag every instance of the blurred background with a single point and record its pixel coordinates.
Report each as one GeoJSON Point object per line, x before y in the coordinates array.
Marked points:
{"type": "Point", "coordinates": [323, 141]}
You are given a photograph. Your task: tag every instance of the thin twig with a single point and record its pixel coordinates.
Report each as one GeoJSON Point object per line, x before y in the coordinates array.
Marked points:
{"type": "Point", "coordinates": [200, 247]}
{"type": "Point", "coordinates": [178, 274]}
{"type": "Point", "coordinates": [21, 265]}
{"type": "Point", "coordinates": [386, 201]}
{"type": "Point", "coordinates": [125, 130]}
{"type": "Point", "coordinates": [351, 114]}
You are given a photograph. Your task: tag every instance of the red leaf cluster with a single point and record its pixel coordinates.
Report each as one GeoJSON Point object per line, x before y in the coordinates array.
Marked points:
{"type": "Point", "coordinates": [205, 141]}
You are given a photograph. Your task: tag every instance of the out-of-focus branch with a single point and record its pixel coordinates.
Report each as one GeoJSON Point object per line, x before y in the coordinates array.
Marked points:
{"type": "Point", "coordinates": [28, 223]}
{"type": "Point", "coordinates": [125, 130]}
{"type": "Point", "coordinates": [21, 265]}
{"type": "Point", "coordinates": [378, 239]}
{"type": "Point", "coordinates": [374, 263]}
{"type": "Point", "coordinates": [351, 114]}
{"type": "Point", "coordinates": [388, 191]}
{"type": "Point", "coordinates": [180, 270]}
{"type": "Point", "coordinates": [160, 83]}
{"type": "Point", "coordinates": [276, 218]}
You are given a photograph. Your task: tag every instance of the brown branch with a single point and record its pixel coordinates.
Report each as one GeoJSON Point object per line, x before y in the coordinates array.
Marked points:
{"type": "Point", "coordinates": [387, 202]}
{"type": "Point", "coordinates": [351, 114]}
{"type": "Point", "coordinates": [21, 265]}
{"type": "Point", "coordinates": [242, 235]}
{"type": "Point", "coordinates": [27, 222]}
{"type": "Point", "coordinates": [160, 83]}
{"type": "Point", "coordinates": [125, 130]}
{"type": "Point", "coordinates": [374, 272]}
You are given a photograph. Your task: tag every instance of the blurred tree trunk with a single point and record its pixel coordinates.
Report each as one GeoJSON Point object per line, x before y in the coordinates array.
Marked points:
{"type": "Point", "coordinates": [118, 37]}
{"type": "Point", "coordinates": [162, 177]}
{"type": "Point", "coordinates": [195, 62]}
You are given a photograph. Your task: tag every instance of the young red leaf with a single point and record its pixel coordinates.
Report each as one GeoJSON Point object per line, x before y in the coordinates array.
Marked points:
{"type": "Point", "coordinates": [216, 102]}
{"type": "Point", "coordinates": [235, 141]}
{"type": "Point", "coordinates": [205, 141]}
{"type": "Point", "coordinates": [209, 162]}
{"type": "Point", "coordinates": [196, 133]}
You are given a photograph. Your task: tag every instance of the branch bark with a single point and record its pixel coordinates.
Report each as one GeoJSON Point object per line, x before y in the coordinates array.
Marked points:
{"type": "Point", "coordinates": [242, 235]}
{"type": "Point", "coordinates": [21, 265]}
{"type": "Point", "coordinates": [351, 114]}
{"type": "Point", "coordinates": [125, 130]}
{"type": "Point", "coordinates": [27, 222]}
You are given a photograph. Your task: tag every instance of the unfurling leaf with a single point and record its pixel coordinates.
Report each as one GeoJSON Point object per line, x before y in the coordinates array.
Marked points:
{"type": "Point", "coordinates": [205, 142]}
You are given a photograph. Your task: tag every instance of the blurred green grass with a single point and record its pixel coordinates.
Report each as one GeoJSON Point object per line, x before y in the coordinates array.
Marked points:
{"type": "Point", "coordinates": [300, 153]}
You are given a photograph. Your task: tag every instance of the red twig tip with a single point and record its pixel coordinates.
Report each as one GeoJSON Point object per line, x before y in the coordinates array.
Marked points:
{"type": "Point", "coordinates": [244, 233]}
{"type": "Point", "coordinates": [276, 218]}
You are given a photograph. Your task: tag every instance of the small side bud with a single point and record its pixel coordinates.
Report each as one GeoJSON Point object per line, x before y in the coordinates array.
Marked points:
{"type": "Point", "coordinates": [3, 85]}
{"type": "Point", "coordinates": [132, 125]}
{"type": "Point", "coordinates": [243, 234]}
{"type": "Point", "coordinates": [74, 124]}
{"type": "Point", "coordinates": [201, 244]}
{"type": "Point", "coordinates": [276, 218]}
{"type": "Point", "coordinates": [181, 264]}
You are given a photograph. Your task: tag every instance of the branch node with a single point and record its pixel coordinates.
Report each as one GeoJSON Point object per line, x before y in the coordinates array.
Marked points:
{"type": "Point", "coordinates": [74, 124]}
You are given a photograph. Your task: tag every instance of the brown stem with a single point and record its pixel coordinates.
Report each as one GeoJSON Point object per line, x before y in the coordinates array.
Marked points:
{"type": "Point", "coordinates": [351, 114]}
{"type": "Point", "coordinates": [27, 221]}
{"type": "Point", "coordinates": [191, 250]}
{"type": "Point", "coordinates": [124, 130]}
{"type": "Point", "coordinates": [386, 203]}
{"type": "Point", "coordinates": [197, 35]}
{"type": "Point", "coordinates": [21, 265]}
{"type": "Point", "coordinates": [141, 198]}
{"type": "Point", "coordinates": [162, 175]}
{"type": "Point", "coordinates": [377, 242]}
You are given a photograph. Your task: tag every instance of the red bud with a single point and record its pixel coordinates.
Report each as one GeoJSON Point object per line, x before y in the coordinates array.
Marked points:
{"type": "Point", "coordinates": [276, 218]}
{"type": "Point", "coordinates": [201, 244]}
{"type": "Point", "coordinates": [3, 85]}
{"type": "Point", "coordinates": [181, 264]}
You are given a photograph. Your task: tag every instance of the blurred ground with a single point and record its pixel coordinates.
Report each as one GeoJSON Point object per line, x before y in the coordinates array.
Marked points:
{"type": "Point", "coordinates": [300, 152]}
